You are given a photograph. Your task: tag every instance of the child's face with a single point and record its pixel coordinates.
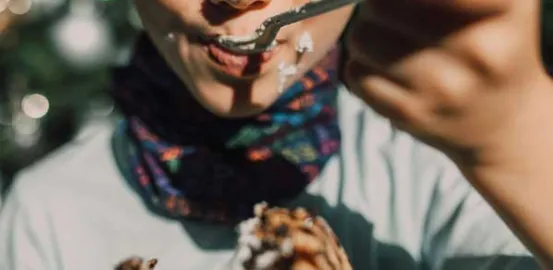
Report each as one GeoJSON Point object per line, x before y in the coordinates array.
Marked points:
{"type": "Point", "coordinates": [242, 86]}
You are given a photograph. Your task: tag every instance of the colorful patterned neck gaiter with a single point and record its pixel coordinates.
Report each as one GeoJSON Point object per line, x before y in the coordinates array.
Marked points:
{"type": "Point", "coordinates": [190, 163]}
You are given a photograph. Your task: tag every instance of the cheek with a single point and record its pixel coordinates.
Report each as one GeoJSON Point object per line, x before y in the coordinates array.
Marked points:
{"type": "Point", "coordinates": [324, 35]}
{"type": "Point", "coordinates": [164, 16]}
{"type": "Point", "coordinates": [192, 56]}
{"type": "Point", "coordinates": [154, 16]}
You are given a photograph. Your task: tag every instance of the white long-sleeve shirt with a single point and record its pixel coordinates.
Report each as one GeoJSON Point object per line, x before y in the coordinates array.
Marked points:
{"type": "Point", "coordinates": [392, 201]}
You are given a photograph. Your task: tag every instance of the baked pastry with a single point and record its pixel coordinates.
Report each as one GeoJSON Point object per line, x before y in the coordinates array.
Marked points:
{"type": "Point", "coordinates": [278, 239]}
{"type": "Point", "coordinates": [283, 239]}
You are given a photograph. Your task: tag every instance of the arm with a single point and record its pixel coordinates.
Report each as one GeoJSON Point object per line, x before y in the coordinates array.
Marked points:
{"type": "Point", "coordinates": [463, 232]}
{"type": "Point", "coordinates": [466, 77]}
{"type": "Point", "coordinates": [516, 178]}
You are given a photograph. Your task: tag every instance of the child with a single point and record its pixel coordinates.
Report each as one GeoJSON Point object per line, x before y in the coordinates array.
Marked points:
{"type": "Point", "coordinates": [206, 134]}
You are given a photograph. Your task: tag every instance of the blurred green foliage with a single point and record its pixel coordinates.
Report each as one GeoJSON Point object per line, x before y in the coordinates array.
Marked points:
{"type": "Point", "coordinates": [30, 63]}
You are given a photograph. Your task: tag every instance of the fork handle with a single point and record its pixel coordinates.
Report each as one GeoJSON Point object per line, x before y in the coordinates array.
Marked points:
{"type": "Point", "coordinates": [311, 9]}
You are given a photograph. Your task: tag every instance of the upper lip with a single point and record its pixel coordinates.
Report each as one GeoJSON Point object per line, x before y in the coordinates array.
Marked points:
{"type": "Point", "coordinates": [211, 36]}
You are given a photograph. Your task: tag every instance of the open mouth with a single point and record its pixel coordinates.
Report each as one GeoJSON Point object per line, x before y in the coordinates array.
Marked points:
{"type": "Point", "coordinates": [247, 44]}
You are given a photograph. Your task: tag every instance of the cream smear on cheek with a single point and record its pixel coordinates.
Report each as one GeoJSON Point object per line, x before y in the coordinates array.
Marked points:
{"type": "Point", "coordinates": [304, 44]}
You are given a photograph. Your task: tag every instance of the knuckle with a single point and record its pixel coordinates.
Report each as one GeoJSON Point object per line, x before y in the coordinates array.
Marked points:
{"type": "Point", "coordinates": [494, 59]}
{"type": "Point", "coordinates": [453, 96]}
{"type": "Point", "coordinates": [408, 114]}
{"type": "Point", "coordinates": [368, 85]}
{"type": "Point", "coordinates": [399, 112]}
{"type": "Point", "coordinates": [452, 88]}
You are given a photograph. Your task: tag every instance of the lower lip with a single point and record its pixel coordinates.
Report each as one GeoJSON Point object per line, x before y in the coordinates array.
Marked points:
{"type": "Point", "coordinates": [240, 65]}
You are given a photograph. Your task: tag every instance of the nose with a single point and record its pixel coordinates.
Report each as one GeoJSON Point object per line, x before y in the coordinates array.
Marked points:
{"type": "Point", "coordinates": [240, 4]}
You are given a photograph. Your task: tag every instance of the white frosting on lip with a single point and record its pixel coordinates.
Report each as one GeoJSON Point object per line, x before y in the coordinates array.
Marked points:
{"type": "Point", "coordinates": [249, 39]}
{"type": "Point", "coordinates": [246, 38]}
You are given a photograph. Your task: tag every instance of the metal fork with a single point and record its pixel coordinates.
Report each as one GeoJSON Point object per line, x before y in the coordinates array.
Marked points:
{"type": "Point", "coordinates": [264, 37]}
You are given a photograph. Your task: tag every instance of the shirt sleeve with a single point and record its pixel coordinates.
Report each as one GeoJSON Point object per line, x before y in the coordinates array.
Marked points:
{"type": "Point", "coordinates": [25, 237]}
{"type": "Point", "coordinates": [464, 232]}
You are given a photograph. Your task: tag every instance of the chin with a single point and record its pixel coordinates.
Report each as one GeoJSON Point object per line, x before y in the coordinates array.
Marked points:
{"type": "Point", "coordinates": [234, 109]}
{"type": "Point", "coordinates": [244, 111]}
{"type": "Point", "coordinates": [228, 95]}
{"type": "Point", "coordinates": [239, 99]}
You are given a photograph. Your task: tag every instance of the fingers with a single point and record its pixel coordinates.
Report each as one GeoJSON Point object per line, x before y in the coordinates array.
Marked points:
{"type": "Point", "coordinates": [373, 50]}
{"type": "Point", "coordinates": [387, 44]}
{"type": "Point", "coordinates": [386, 97]}
{"type": "Point", "coordinates": [430, 20]}
{"type": "Point", "coordinates": [151, 264]}
{"type": "Point", "coordinates": [404, 77]}
{"type": "Point", "coordinates": [379, 43]}
{"type": "Point", "coordinates": [470, 8]}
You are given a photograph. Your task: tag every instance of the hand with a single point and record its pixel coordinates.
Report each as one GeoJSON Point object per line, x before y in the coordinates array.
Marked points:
{"type": "Point", "coordinates": [461, 75]}
{"type": "Point", "coordinates": [301, 239]}
{"type": "Point", "coordinates": [136, 263]}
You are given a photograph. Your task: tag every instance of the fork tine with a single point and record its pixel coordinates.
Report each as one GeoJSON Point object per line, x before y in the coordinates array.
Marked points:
{"type": "Point", "coordinates": [264, 36]}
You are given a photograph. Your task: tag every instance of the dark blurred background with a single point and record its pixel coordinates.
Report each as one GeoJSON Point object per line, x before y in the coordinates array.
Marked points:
{"type": "Point", "coordinates": [55, 61]}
